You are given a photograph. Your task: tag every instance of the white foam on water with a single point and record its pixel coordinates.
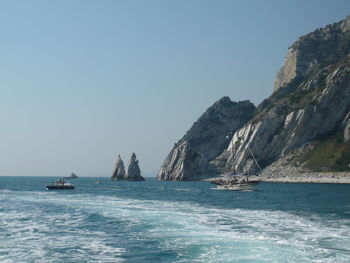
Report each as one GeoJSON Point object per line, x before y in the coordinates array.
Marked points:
{"type": "Point", "coordinates": [197, 233]}
{"type": "Point", "coordinates": [28, 234]}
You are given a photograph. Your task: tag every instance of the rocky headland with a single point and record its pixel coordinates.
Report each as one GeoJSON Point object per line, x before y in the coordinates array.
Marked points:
{"type": "Point", "coordinates": [300, 133]}
{"type": "Point", "coordinates": [205, 140]}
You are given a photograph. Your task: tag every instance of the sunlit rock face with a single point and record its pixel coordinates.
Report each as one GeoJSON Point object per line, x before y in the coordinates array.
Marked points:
{"type": "Point", "coordinates": [190, 158]}
{"type": "Point", "coordinates": [346, 126]}
{"type": "Point", "coordinates": [308, 113]}
{"type": "Point", "coordinates": [314, 51]}
{"type": "Point", "coordinates": [311, 104]}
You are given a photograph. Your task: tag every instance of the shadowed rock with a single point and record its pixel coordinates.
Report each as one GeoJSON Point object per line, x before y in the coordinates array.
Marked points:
{"type": "Point", "coordinates": [133, 170]}
{"type": "Point", "coordinates": [119, 172]}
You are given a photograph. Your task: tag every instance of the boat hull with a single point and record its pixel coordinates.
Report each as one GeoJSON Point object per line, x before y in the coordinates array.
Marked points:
{"type": "Point", "coordinates": [238, 187]}
{"type": "Point", "coordinates": [59, 187]}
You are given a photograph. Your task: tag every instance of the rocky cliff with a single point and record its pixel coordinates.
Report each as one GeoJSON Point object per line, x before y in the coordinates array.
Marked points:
{"type": "Point", "coordinates": [311, 105]}
{"type": "Point", "coordinates": [314, 111]}
{"type": "Point", "coordinates": [314, 51]}
{"type": "Point", "coordinates": [205, 140]}
{"type": "Point", "coordinates": [305, 123]}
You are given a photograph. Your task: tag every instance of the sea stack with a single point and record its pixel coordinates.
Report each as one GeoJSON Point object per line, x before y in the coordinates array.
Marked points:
{"type": "Point", "coordinates": [119, 172]}
{"type": "Point", "coordinates": [133, 170]}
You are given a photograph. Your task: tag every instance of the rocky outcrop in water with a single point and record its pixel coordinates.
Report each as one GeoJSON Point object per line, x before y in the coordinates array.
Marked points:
{"type": "Point", "coordinates": [119, 172]}
{"type": "Point", "coordinates": [207, 138]}
{"type": "Point", "coordinates": [133, 172]}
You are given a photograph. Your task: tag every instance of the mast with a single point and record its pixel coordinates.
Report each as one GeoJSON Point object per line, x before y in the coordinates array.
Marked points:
{"type": "Point", "coordinates": [239, 139]}
{"type": "Point", "coordinates": [256, 162]}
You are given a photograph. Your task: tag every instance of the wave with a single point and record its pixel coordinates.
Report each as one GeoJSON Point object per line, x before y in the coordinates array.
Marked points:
{"type": "Point", "coordinates": [90, 228]}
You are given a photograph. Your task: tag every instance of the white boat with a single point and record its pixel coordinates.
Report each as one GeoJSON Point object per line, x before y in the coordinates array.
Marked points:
{"type": "Point", "coordinates": [237, 183]}
{"type": "Point", "coordinates": [237, 187]}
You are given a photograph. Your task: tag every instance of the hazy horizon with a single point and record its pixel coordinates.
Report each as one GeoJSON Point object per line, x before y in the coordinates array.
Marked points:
{"type": "Point", "coordinates": [84, 81]}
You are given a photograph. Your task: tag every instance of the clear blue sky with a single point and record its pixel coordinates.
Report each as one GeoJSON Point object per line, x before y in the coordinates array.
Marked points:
{"type": "Point", "coordinates": [83, 81]}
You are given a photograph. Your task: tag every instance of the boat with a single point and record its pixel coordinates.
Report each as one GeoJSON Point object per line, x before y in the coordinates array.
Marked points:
{"type": "Point", "coordinates": [238, 183]}
{"type": "Point", "coordinates": [236, 187]}
{"type": "Point", "coordinates": [60, 184]}
{"type": "Point", "coordinates": [73, 175]}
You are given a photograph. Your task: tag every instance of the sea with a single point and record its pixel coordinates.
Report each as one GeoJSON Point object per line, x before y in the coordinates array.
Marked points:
{"type": "Point", "coordinates": [156, 221]}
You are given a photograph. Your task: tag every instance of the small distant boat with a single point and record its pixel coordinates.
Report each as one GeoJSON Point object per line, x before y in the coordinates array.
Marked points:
{"type": "Point", "coordinates": [236, 187]}
{"type": "Point", "coordinates": [98, 181]}
{"type": "Point", "coordinates": [60, 184]}
{"type": "Point", "coordinates": [73, 175]}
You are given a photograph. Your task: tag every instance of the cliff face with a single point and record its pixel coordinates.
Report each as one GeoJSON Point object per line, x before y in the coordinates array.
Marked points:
{"type": "Point", "coordinates": [317, 109]}
{"type": "Point", "coordinates": [310, 106]}
{"type": "Point", "coordinates": [346, 126]}
{"type": "Point", "coordinates": [184, 163]}
{"type": "Point", "coordinates": [305, 123]}
{"type": "Point", "coordinates": [208, 137]}
{"type": "Point", "coordinates": [314, 51]}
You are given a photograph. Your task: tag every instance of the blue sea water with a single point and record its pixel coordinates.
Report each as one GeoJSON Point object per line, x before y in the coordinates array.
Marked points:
{"type": "Point", "coordinates": [156, 221]}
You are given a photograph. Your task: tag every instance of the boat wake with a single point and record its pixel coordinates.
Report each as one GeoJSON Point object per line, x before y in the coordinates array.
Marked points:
{"type": "Point", "coordinates": [85, 227]}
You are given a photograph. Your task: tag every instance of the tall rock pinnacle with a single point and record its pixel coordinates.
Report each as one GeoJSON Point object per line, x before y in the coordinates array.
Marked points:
{"type": "Point", "coordinates": [119, 172]}
{"type": "Point", "coordinates": [133, 170]}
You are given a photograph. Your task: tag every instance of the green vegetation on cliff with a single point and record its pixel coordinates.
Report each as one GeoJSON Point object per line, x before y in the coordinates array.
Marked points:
{"type": "Point", "coordinates": [330, 154]}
